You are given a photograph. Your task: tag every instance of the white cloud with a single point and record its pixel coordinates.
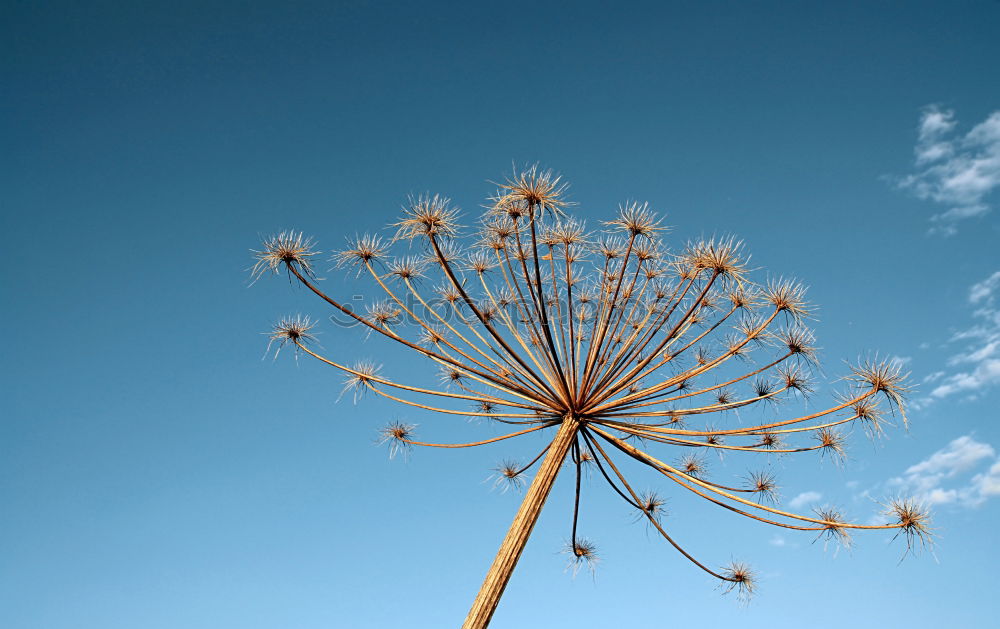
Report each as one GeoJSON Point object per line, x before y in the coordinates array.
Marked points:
{"type": "Point", "coordinates": [931, 377]}
{"type": "Point", "coordinates": [957, 456]}
{"type": "Point", "coordinates": [900, 361]}
{"type": "Point", "coordinates": [778, 541]}
{"type": "Point", "coordinates": [926, 481]}
{"type": "Point", "coordinates": [953, 170]}
{"type": "Point", "coordinates": [983, 291]}
{"type": "Point", "coordinates": [987, 484]}
{"type": "Point", "coordinates": [977, 366]}
{"type": "Point", "coordinates": [976, 354]}
{"type": "Point", "coordinates": [934, 124]}
{"type": "Point", "coordinates": [804, 499]}
{"type": "Point", "coordinates": [986, 373]}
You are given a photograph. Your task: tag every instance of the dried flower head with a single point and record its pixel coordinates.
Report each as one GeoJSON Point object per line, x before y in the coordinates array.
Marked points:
{"type": "Point", "coordinates": [693, 465]}
{"type": "Point", "coordinates": [383, 313]}
{"type": "Point", "coordinates": [610, 248]}
{"type": "Point", "coordinates": [569, 233]}
{"type": "Point", "coordinates": [287, 248]}
{"type": "Point", "coordinates": [533, 188]}
{"type": "Point", "coordinates": [868, 412]}
{"type": "Point", "coordinates": [508, 475]}
{"type": "Point", "coordinates": [480, 262]}
{"type": "Point", "coordinates": [433, 335]}
{"type": "Point", "coordinates": [609, 343]}
{"type": "Point", "coordinates": [799, 341]}
{"type": "Point", "coordinates": [743, 297]}
{"type": "Point", "coordinates": [834, 529]}
{"type": "Point", "coordinates": [764, 486]}
{"type": "Point", "coordinates": [722, 257]}
{"type": "Point", "coordinates": [407, 268]}
{"type": "Point", "coordinates": [651, 506]}
{"type": "Point", "coordinates": [769, 441]}
{"type": "Point", "coordinates": [427, 215]}
{"type": "Point", "coordinates": [451, 376]}
{"type": "Point", "coordinates": [833, 443]}
{"type": "Point", "coordinates": [763, 388]}
{"type": "Point", "coordinates": [361, 252]}
{"type": "Point", "coordinates": [884, 376]}
{"type": "Point", "coordinates": [636, 219]}
{"type": "Point", "coordinates": [913, 521]}
{"type": "Point", "coordinates": [582, 553]}
{"type": "Point", "coordinates": [397, 435]}
{"type": "Point", "coordinates": [359, 379]}
{"type": "Point", "coordinates": [294, 330]}
{"type": "Point", "coordinates": [793, 378]}
{"type": "Point", "coordinates": [788, 297]}
{"type": "Point", "coordinates": [739, 577]}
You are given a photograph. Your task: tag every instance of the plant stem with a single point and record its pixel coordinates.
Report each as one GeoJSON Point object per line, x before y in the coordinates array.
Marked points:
{"type": "Point", "coordinates": [512, 546]}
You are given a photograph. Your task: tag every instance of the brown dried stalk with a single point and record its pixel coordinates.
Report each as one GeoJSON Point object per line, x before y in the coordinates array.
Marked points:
{"type": "Point", "coordinates": [610, 341]}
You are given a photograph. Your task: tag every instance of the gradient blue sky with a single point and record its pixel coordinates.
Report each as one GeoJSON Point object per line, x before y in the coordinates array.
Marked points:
{"type": "Point", "coordinates": [155, 472]}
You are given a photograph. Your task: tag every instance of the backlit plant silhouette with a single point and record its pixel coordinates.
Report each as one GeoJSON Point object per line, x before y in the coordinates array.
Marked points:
{"type": "Point", "coordinates": [619, 347]}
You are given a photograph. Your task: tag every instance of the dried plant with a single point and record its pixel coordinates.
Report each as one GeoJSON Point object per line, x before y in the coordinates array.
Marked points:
{"type": "Point", "coordinates": [611, 342]}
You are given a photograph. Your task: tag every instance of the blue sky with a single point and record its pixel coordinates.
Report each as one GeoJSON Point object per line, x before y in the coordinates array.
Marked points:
{"type": "Point", "coordinates": [155, 472]}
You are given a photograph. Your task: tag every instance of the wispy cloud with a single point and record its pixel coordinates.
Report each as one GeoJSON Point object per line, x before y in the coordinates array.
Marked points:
{"type": "Point", "coordinates": [900, 361]}
{"type": "Point", "coordinates": [944, 477]}
{"type": "Point", "coordinates": [953, 170]}
{"type": "Point", "coordinates": [804, 499]}
{"type": "Point", "coordinates": [987, 484]}
{"type": "Point", "coordinates": [984, 292]}
{"type": "Point", "coordinates": [977, 365]}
